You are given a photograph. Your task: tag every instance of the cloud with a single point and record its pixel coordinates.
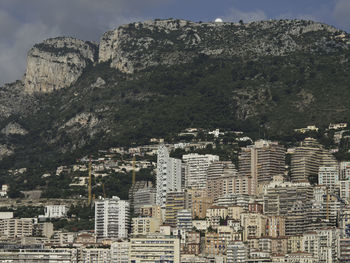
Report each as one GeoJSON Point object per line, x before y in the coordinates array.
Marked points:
{"type": "Point", "coordinates": [341, 13]}
{"type": "Point", "coordinates": [18, 39]}
{"type": "Point", "coordinates": [24, 23]}
{"type": "Point", "coordinates": [235, 15]}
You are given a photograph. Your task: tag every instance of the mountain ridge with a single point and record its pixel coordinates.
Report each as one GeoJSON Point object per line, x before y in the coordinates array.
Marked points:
{"type": "Point", "coordinates": [157, 77]}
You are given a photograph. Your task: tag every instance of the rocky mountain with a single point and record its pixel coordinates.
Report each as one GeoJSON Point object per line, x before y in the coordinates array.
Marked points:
{"type": "Point", "coordinates": [57, 63]}
{"type": "Point", "coordinates": [138, 46]}
{"type": "Point", "coordinates": [157, 77]}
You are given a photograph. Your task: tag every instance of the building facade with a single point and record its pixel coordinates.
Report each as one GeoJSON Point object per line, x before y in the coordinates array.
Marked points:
{"type": "Point", "coordinates": [169, 173]}
{"type": "Point", "coordinates": [112, 218]}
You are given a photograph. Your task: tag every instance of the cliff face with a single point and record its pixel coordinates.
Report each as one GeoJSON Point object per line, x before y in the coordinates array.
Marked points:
{"type": "Point", "coordinates": [57, 63]}
{"type": "Point", "coordinates": [138, 46]}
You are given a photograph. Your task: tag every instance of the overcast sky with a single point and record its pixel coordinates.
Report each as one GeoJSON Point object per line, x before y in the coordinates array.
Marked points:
{"type": "Point", "coordinates": [26, 22]}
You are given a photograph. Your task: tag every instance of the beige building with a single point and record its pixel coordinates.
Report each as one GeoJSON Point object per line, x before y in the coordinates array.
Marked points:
{"type": "Point", "coordinates": [234, 212]}
{"type": "Point", "coordinates": [307, 159]}
{"type": "Point", "coordinates": [217, 211]}
{"type": "Point", "coordinates": [261, 162]}
{"type": "Point", "coordinates": [176, 201]}
{"type": "Point", "coordinates": [215, 214]}
{"type": "Point", "coordinates": [271, 245]}
{"type": "Point", "coordinates": [193, 243]}
{"type": "Point", "coordinates": [154, 248]}
{"type": "Point", "coordinates": [16, 227]}
{"type": "Point", "coordinates": [200, 224]}
{"type": "Point", "coordinates": [295, 243]}
{"type": "Point", "coordinates": [43, 229]}
{"type": "Point", "coordinates": [279, 245]}
{"type": "Point", "coordinates": [200, 203]}
{"type": "Point", "coordinates": [254, 225]}
{"type": "Point", "coordinates": [223, 179]}
{"type": "Point", "coordinates": [275, 226]}
{"type": "Point", "coordinates": [91, 255]}
{"type": "Point", "coordinates": [215, 244]}
{"type": "Point", "coordinates": [145, 225]}
{"type": "Point", "coordinates": [151, 211]}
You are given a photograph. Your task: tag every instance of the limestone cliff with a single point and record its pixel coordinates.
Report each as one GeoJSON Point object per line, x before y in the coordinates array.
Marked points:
{"type": "Point", "coordinates": [57, 63]}
{"type": "Point", "coordinates": [138, 46]}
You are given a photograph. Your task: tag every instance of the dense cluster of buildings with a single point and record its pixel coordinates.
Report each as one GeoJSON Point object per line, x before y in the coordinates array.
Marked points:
{"type": "Point", "coordinates": [204, 209]}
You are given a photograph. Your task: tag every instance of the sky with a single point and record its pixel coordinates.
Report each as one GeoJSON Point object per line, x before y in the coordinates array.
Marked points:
{"type": "Point", "coordinates": [26, 22]}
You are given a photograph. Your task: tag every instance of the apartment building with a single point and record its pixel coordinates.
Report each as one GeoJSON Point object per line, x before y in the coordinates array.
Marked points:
{"type": "Point", "coordinates": [200, 202]}
{"type": "Point", "coordinates": [145, 225]}
{"type": "Point", "coordinates": [176, 201]}
{"type": "Point", "coordinates": [154, 248]}
{"type": "Point", "coordinates": [197, 168]}
{"type": "Point", "coordinates": [254, 225]}
{"type": "Point", "coordinates": [16, 227]}
{"type": "Point", "coordinates": [261, 162]}
{"type": "Point", "coordinates": [143, 197]}
{"type": "Point", "coordinates": [223, 179]}
{"type": "Point", "coordinates": [237, 252]}
{"type": "Point", "coordinates": [169, 174]}
{"type": "Point", "coordinates": [307, 159]}
{"type": "Point", "coordinates": [120, 251]}
{"type": "Point", "coordinates": [112, 218]}
{"type": "Point", "coordinates": [328, 176]}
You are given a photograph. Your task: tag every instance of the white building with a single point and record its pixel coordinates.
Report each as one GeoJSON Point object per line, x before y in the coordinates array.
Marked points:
{"type": "Point", "coordinates": [120, 251]}
{"type": "Point", "coordinates": [336, 126]}
{"type": "Point", "coordinates": [237, 252]}
{"type": "Point", "coordinates": [197, 167]}
{"type": "Point", "coordinates": [328, 176]}
{"type": "Point", "coordinates": [111, 218]}
{"type": "Point", "coordinates": [55, 211]}
{"type": "Point", "coordinates": [345, 170]}
{"type": "Point", "coordinates": [154, 248]}
{"type": "Point", "coordinates": [4, 190]}
{"type": "Point", "coordinates": [184, 220]}
{"type": "Point", "coordinates": [322, 244]}
{"type": "Point", "coordinates": [6, 215]}
{"type": "Point", "coordinates": [168, 175]}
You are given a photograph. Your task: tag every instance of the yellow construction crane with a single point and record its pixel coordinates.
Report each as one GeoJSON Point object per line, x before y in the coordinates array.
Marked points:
{"type": "Point", "coordinates": [90, 196]}
{"type": "Point", "coordinates": [133, 170]}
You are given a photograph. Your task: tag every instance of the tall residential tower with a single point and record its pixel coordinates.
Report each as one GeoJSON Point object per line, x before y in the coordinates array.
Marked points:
{"type": "Point", "coordinates": [111, 218]}
{"type": "Point", "coordinates": [168, 175]}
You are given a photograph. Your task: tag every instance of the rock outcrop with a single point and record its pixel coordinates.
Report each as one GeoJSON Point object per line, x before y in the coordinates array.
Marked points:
{"type": "Point", "coordinates": [57, 63]}
{"type": "Point", "coordinates": [138, 46]}
{"type": "Point", "coordinates": [13, 128]}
